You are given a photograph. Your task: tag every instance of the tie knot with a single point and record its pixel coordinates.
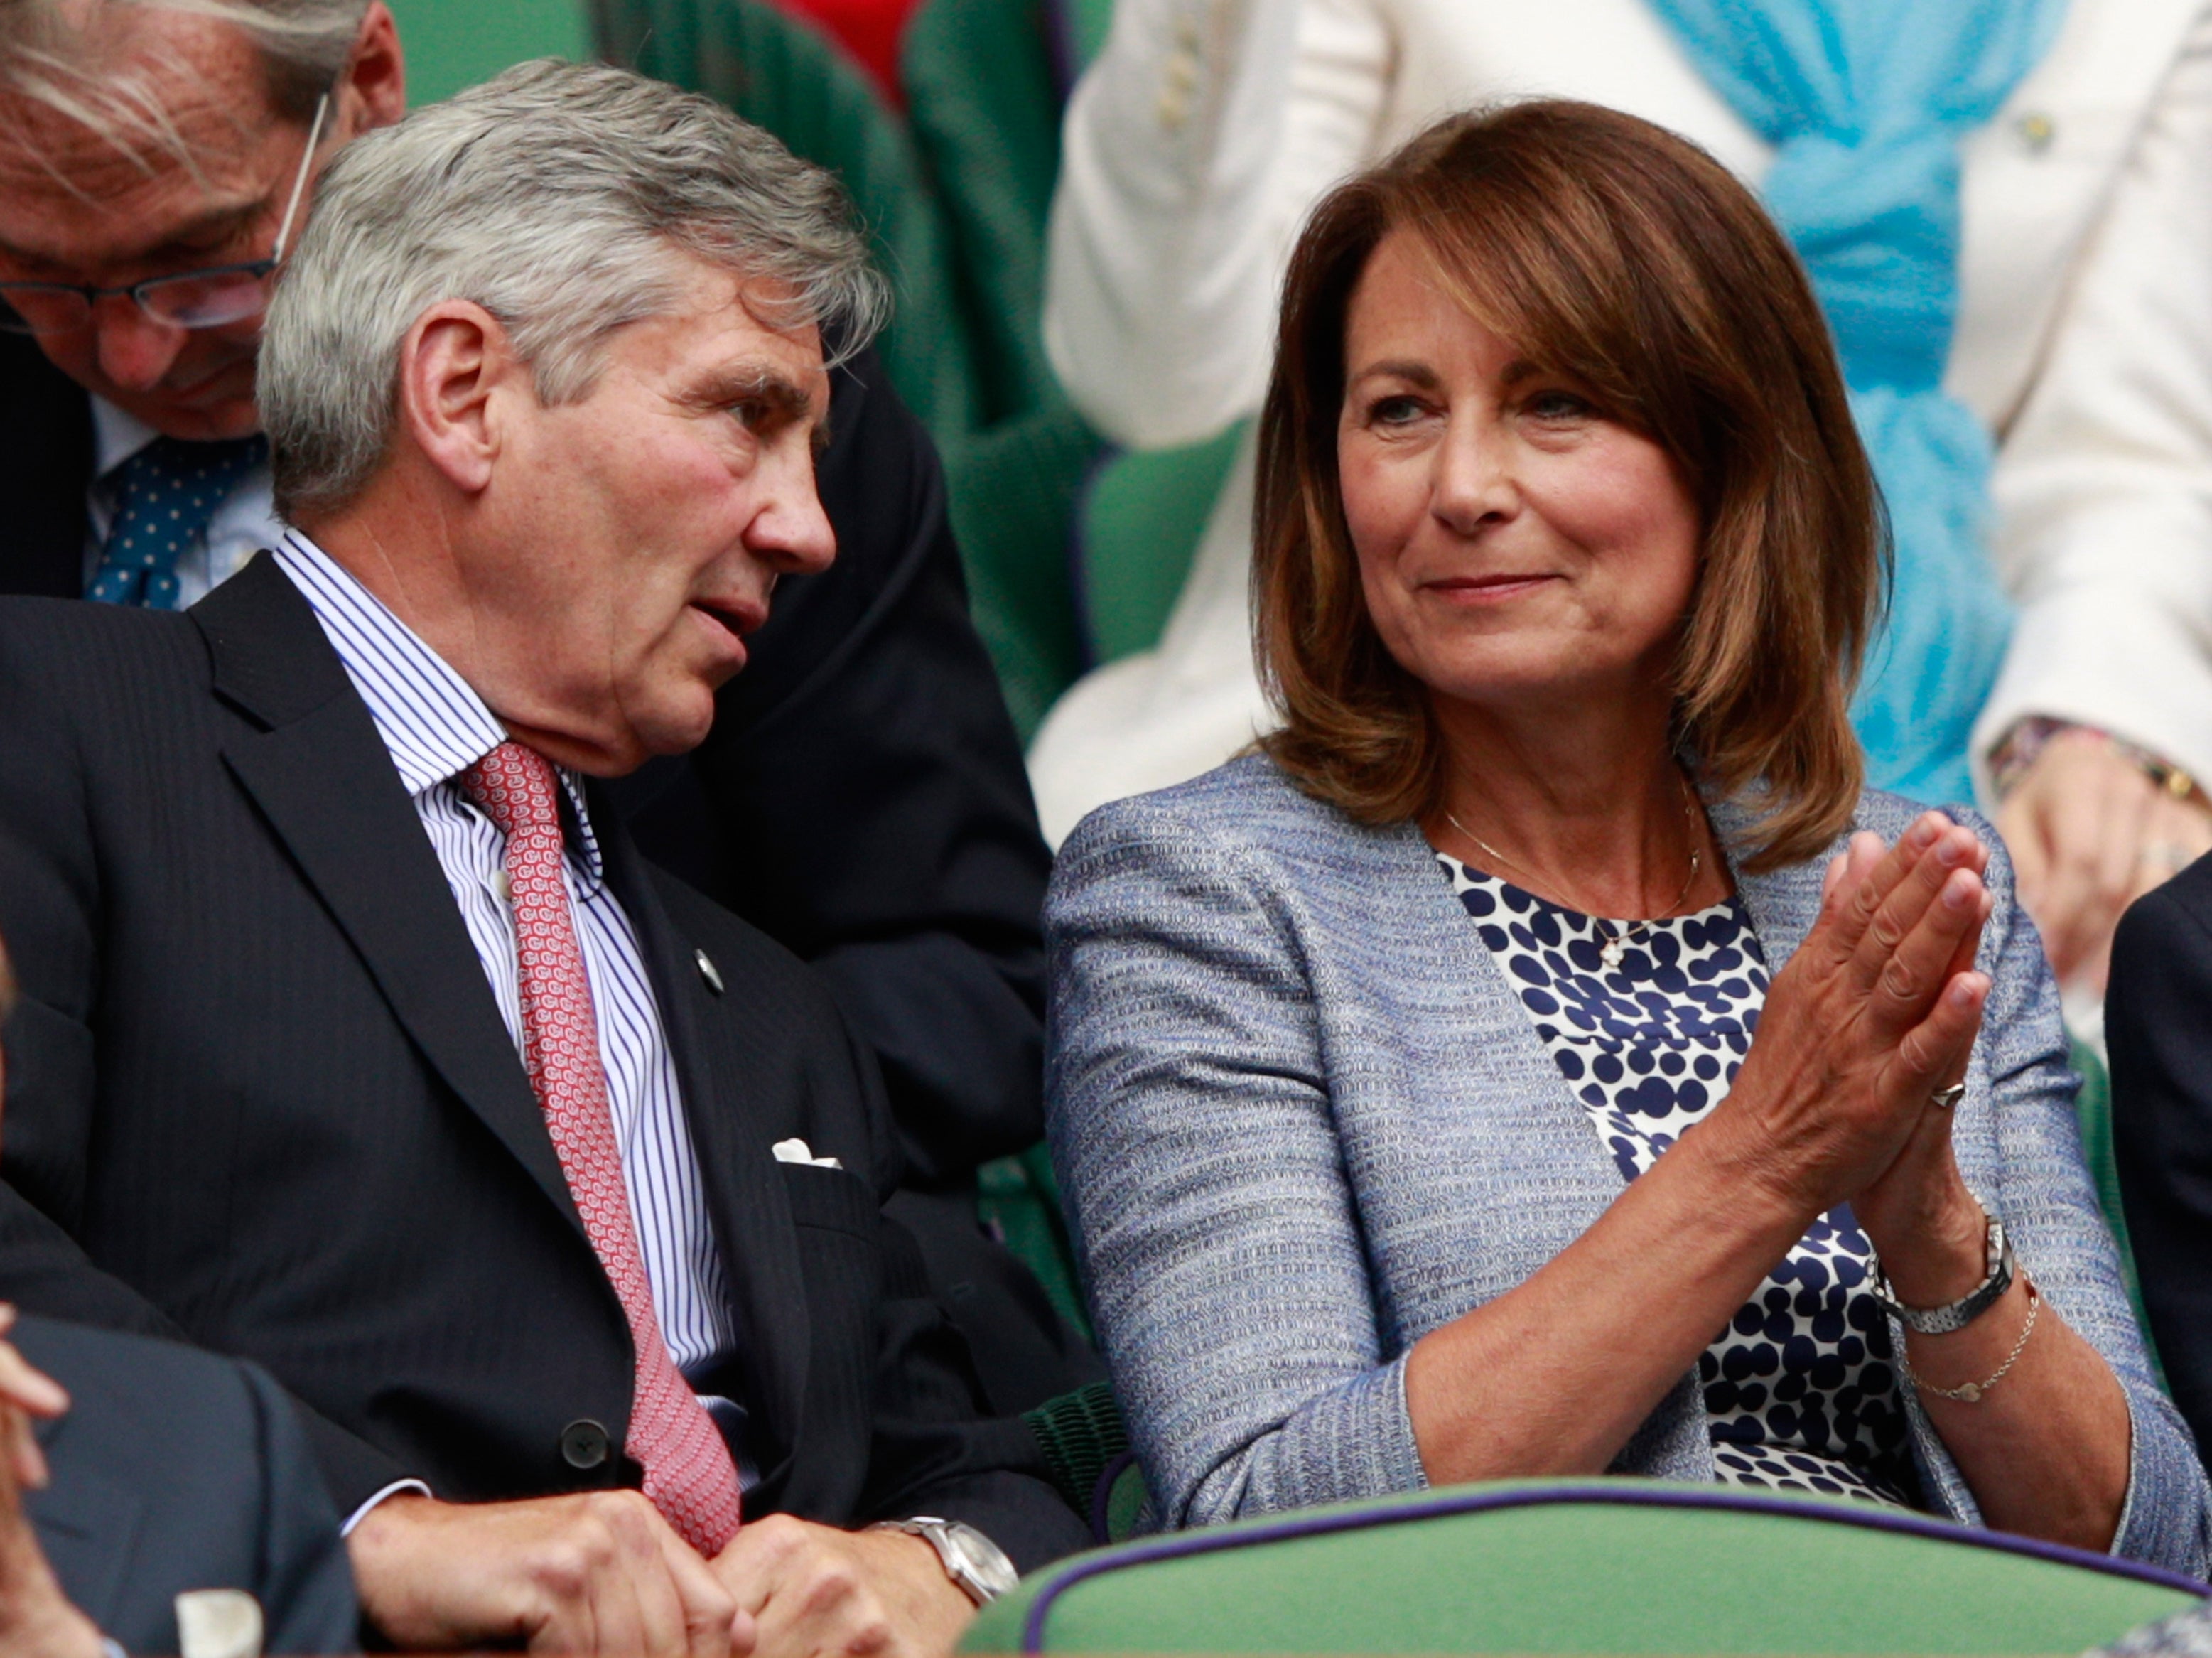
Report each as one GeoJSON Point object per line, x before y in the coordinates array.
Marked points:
{"type": "Point", "coordinates": [514, 786]}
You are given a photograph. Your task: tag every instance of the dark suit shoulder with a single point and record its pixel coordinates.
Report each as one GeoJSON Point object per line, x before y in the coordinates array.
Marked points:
{"type": "Point", "coordinates": [2174, 911]}
{"type": "Point", "coordinates": [68, 641]}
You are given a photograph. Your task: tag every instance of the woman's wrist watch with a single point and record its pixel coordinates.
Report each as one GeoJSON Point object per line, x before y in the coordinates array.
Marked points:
{"type": "Point", "coordinates": [1958, 1314]}
{"type": "Point", "coordinates": [976, 1565]}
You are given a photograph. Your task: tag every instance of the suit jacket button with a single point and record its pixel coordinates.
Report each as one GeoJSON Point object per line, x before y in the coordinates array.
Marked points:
{"type": "Point", "coordinates": [583, 1444]}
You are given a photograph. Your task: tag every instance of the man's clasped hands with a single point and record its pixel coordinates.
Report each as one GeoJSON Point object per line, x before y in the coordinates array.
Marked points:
{"type": "Point", "coordinates": [595, 1572]}
{"type": "Point", "coordinates": [603, 1572]}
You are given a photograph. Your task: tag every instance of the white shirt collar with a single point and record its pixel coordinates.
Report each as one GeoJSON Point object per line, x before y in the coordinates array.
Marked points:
{"type": "Point", "coordinates": [433, 722]}
{"type": "Point", "coordinates": [116, 436]}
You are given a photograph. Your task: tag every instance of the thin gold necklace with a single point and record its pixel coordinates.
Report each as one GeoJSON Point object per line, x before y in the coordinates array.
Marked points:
{"type": "Point", "coordinates": [1616, 944]}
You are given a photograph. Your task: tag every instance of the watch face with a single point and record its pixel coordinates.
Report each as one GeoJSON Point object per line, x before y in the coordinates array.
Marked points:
{"type": "Point", "coordinates": [994, 1573]}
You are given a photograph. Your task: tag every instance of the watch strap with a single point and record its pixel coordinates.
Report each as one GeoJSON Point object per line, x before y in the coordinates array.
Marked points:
{"type": "Point", "coordinates": [983, 1577]}
{"type": "Point", "coordinates": [1957, 1314]}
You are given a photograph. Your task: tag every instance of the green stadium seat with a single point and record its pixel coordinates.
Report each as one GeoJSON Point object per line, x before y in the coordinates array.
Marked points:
{"type": "Point", "coordinates": [983, 101]}
{"type": "Point", "coordinates": [1018, 1200]}
{"type": "Point", "coordinates": [2093, 1108]}
{"type": "Point", "coordinates": [783, 75]}
{"type": "Point", "coordinates": [450, 45]}
{"type": "Point", "coordinates": [1085, 24]}
{"type": "Point", "coordinates": [1617, 1566]}
{"type": "Point", "coordinates": [1012, 481]}
{"type": "Point", "coordinates": [1141, 520]}
{"type": "Point", "coordinates": [1083, 1439]}
{"type": "Point", "coordinates": [984, 81]}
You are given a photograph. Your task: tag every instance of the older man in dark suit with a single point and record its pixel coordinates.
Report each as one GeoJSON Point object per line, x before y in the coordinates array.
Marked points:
{"type": "Point", "coordinates": [861, 796]}
{"type": "Point", "coordinates": [551, 1190]}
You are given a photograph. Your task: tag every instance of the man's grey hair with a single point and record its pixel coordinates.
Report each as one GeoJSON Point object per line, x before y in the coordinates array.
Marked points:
{"type": "Point", "coordinates": [85, 59]}
{"type": "Point", "coordinates": [555, 197]}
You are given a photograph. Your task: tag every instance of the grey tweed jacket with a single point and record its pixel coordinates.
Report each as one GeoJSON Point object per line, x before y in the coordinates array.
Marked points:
{"type": "Point", "coordinates": [1301, 1120]}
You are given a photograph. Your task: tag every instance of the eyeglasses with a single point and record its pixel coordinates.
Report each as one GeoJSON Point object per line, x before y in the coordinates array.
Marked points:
{"type": "Point", "coordinates": [193, 299]}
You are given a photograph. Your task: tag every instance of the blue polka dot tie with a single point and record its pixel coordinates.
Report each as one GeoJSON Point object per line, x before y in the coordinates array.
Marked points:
{"type": "Point", "coordinates": [170, 493]}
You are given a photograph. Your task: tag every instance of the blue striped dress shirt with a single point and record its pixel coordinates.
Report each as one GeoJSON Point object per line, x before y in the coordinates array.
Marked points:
{"type": "Point", "coordinates": [436, 727]}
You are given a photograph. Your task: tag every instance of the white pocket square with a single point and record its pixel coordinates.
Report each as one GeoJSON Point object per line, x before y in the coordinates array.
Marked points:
{"type": "Point", "coordinates": [796, 1151]}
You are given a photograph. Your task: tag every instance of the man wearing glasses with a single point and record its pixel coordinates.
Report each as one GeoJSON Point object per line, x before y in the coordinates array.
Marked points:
{"type": "Point", "coordinates": [135, 259]}
{"type": "Point", "coordinates": [157, 161]}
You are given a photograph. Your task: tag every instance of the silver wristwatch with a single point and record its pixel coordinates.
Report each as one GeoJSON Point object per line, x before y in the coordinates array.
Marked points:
{"type": "Point", "coordinates": [971, 1560]}
{"type": "Point", "coordinates": [1941, 1320]}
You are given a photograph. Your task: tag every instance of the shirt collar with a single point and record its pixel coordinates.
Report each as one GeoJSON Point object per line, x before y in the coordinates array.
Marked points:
{"type": "Point", "coordinates": [116, 436]}
{"type": "Point", "coordinates": [432, 723]}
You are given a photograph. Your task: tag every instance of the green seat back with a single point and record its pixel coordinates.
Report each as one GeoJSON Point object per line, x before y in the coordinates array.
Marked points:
{"type": "Point", "coordinates": [449, 46]}
{"type": "Point", "coordinates": [781, 74]}
{"type": "Point", "coordinates": [1607, 1566]}
{"type": "Point", "coordinates": [2093, 1108]}
{"type": "Point", "coordinates": [983, 101]}
{"type": "Point", "coordinates": [1141, 522]}
{"type": "Point", "coordinates": [1018, 1198]}
{"type": "Point", "coordinates": [1086, 22]}
{"type": "Point", "coordinates": [983, 81]}
{"type": "Point", "coordinates": [1010, 481]}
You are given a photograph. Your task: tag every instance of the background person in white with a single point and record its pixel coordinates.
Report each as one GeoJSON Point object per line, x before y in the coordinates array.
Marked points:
{"type": "Point", "coordinates": [1207, 128]}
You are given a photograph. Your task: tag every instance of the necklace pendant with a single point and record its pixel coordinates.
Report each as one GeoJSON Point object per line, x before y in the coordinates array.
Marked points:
{"type": "Point", "coordinates": [1611, 954]}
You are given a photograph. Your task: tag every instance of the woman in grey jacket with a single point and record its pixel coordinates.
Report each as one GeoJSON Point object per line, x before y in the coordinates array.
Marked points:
{"type": "Point", "coordinates": [1394, 1158]}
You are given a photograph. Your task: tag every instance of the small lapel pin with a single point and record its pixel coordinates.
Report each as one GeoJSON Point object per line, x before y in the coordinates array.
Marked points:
{"type": "Point", "coordinates": [709, 971]}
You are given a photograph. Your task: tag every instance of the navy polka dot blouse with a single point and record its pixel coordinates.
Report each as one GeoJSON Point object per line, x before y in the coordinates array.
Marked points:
{"type": "Point", "coordinates": [1799, 1389]}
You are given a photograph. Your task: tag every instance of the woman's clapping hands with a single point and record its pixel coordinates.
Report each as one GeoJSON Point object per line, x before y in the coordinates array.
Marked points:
{"type": "Point", "coordinates": [1874, 1015]}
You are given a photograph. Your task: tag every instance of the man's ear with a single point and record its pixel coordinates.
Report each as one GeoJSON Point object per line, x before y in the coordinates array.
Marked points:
{"type": "Point", "coordinates": [457, 370]}
{"type": "Point", "coordinates": [371, 90]}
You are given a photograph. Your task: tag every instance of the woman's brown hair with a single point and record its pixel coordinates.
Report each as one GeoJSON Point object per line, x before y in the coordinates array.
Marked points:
{"type": "Point", "coordinates": [1608, 249]}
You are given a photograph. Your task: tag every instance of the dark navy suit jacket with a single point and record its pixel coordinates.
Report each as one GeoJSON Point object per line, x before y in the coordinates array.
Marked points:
{"type": "Point", "coordinates": [176, 1470]}
{"type": "Point", "coordinates": [260, 1098]}
{"type": "Point", "coordinates": [862, 799]}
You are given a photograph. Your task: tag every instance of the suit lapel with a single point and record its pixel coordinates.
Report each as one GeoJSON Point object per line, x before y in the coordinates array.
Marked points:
{"type": "Point", "coordinates": [747, 1204]}
{"type": "Point", "coordinates": [323, 779]}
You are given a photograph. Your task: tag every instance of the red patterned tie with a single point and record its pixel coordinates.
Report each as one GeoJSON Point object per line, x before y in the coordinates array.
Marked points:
{"type": "Point", "coordinates": [689, 1474]}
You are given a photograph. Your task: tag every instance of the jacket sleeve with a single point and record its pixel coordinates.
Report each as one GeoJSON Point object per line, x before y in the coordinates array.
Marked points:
{"type": "Point", "coordinates": [51, 920]}
{"type": "Point", "coordinates": [2103, 486]}
{"type": "Point", "coordinates": [1192, 150]}
{"type": "Point", "coordinates": [2041, 1187]}
{"type": "Point", "coordinates": [873, 814]}
{"type": "Point", "coordinates": [1190, 1118]}
{"type": "Point", "coordinates": [307, 1590]}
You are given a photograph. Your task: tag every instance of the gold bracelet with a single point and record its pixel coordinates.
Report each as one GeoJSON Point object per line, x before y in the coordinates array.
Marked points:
{"type": "Point", "coordinates": [1973, 1392]}
{"type": "Point", "coordinates": [2023, 745]}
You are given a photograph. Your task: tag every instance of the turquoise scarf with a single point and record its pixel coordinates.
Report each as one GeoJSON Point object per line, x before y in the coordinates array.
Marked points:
{"type": "Point", "coordinates": [1866, 102]}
